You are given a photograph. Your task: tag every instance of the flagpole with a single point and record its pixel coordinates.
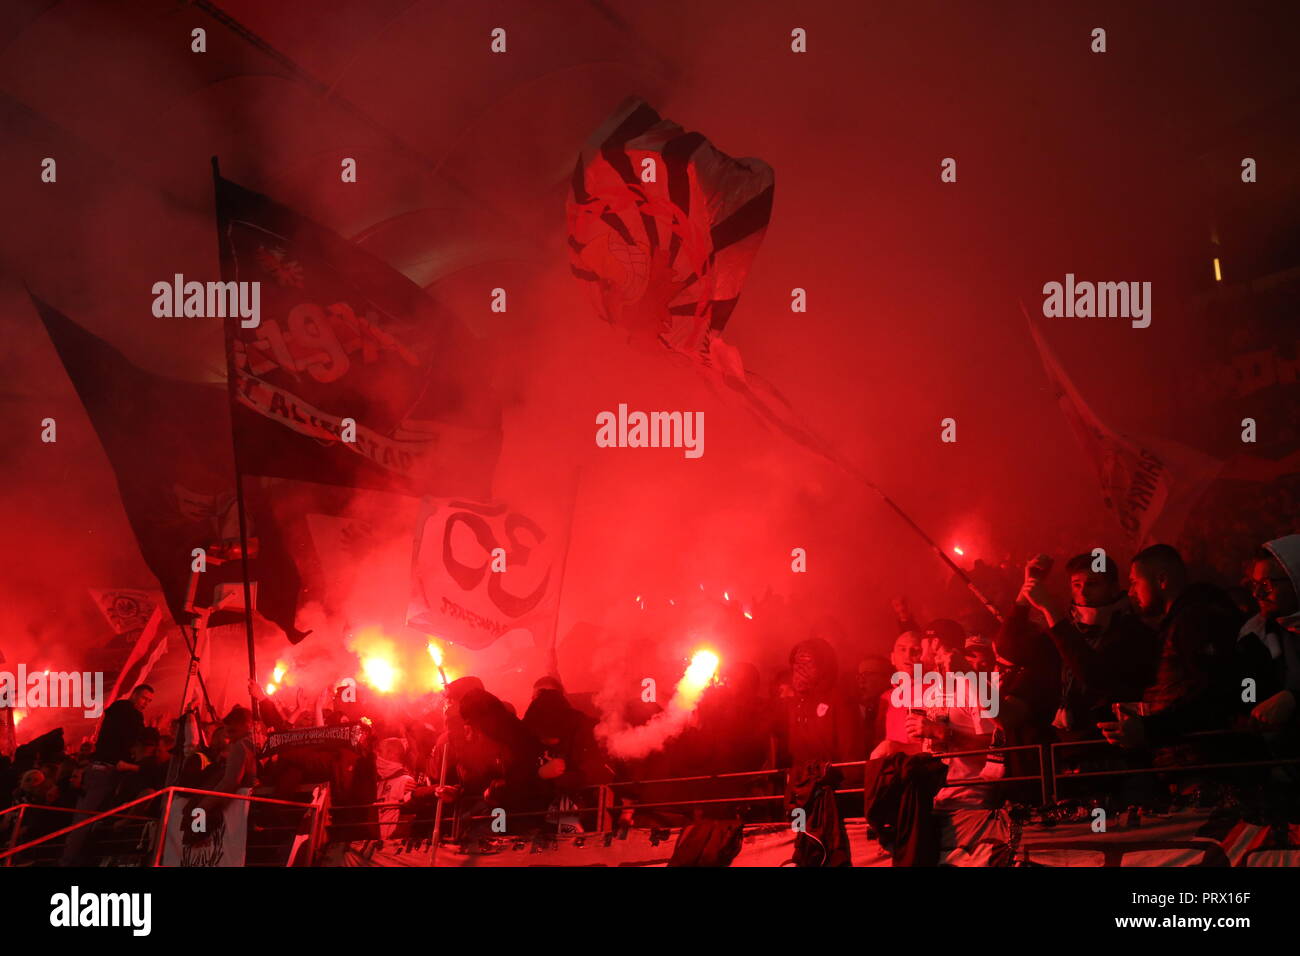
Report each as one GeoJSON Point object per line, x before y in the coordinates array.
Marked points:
{"type": "Point", "coordinates": [553, 660]}
{"type": "Point", "coordinates": [232, 386]}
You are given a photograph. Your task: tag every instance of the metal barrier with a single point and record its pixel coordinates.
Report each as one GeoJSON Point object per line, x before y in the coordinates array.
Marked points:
{"type": "Point", "coordinates": [21, 811]}
{"type": "Point", "coordinates": [1048, 778]}
{"type": "Point", "coordinates": [605, 804]}
{"type": "Point", "coordinates": [1055, 777]}
{"type": "Point", "coordinates": [167, 796]}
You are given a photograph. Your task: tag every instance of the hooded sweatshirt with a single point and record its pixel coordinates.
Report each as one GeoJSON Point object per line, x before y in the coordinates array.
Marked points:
{"type": "Point", "coordinates": [821, 723]}
{"type": "Point", "coordinates": [1280, 637]}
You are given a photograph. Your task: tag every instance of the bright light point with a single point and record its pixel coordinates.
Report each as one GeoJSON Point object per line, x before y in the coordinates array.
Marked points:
{"type": "Point", "coordinates": [672, 602]}
{"type": "Point", "coordinates": [436, 653]}
{"type": "Point", "coordinates": [18, 716]}
{"type": "Point", "coordinates": [726, 596]}
{"type": "Point", "coordinates": [638, 599]}
{"type": "Point", "coordinates": [748, 616]}
{"type": "Point", "coordinates": [1218, 272]}
{"type": "Point", "coordinates": [380, 674]}
{"type": "Point", "coordinates": [704, 664]}
{"type": "Point", "coordinates": [280, 671]}
{"type": "Point", "coordinates": [958, 551]}
{"type": "Point", "coordinates": [270, 689]}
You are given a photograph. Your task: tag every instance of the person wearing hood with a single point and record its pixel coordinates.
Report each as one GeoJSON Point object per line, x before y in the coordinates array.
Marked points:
{"type": "Point", "coordinates": [819, 728]}
{"type": "Point", "coordinates": [1108, 655]}
{"type": "Point", "coordinates": [570, 759]}
{"type": "Point", "coordinates": [1271, 639]}
{"type": "Point", "coordinates": [510, 778]}
{"type": "Point", "coordinates": [820, 721]}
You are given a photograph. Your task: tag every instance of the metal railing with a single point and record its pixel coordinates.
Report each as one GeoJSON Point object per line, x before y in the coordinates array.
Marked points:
{"type": "Point", "coordinates": [607, 805]}
{"type": "Point", "coordinates": [1049, 777]}
{"type": "Point", "coordinates": [167, 796]}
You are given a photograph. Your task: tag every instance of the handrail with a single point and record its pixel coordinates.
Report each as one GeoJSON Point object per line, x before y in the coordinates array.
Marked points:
{"type": "Point", "coordinates": [169, 792]}
{"type": "Point", "coordinates": [78, 825]}
{"type": "Point", "coordinates": [45, 806]}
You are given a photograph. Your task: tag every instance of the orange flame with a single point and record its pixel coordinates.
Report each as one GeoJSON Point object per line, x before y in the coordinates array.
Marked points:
{"type": "Point", "coordinates": [380, 673]}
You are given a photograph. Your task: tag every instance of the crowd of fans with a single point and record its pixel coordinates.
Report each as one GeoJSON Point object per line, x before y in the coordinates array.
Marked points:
{"type": "Point", "coordinates": [1149, 670]}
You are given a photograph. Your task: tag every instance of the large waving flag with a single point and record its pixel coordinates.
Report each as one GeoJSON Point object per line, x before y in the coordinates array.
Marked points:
{"type": "Point", "coordinates": [346, 340]}
{"type": "Point", "coordinates": [168, 443]}
{"type": "Point", "coordinates": [461, 594]}
{"type": "Point", "coordinates": [663, 231]}
{"type": "Point", "coordinates": [1149, 485]}
{"type": "Point", "coordinates": [663, 227]}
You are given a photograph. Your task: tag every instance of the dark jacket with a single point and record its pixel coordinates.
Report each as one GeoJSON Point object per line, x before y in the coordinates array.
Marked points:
{"type": "Point", "coordinates": [119, 732]}
{"type": "Point", "coordinates": [1103, 666]}
{"type": "Point", "coordinates": [1192, 688]}
{"type": "Point", "coordinates": [898, 796]}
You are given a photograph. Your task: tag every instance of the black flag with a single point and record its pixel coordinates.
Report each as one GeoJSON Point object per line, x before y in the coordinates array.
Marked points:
{"type": "Point", "coordinates": [351, 375]}
{"type": "Point", "coordinates": [169, 444]}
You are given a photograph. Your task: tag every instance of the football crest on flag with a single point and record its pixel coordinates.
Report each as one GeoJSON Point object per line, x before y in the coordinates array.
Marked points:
{"type": "Point", "coordinates": [125, 610]}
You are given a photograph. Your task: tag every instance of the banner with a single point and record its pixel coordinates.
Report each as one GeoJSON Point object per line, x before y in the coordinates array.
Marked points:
{"type": "Point", "coordinates": [227, 840]}
{"type": "Point", "coordinates": [1149, 485]}
{"type": "Point", "coordinates": [666, 259]}
{"type": "Point", "coordinates": [168, 442]}
{"type": "Point", "coordinates": [663, 227]}
{"type": "Point", "coordinates": [124, 609]}
{"type": "Point", "coordinates": [149, 648]}
{"type": "Point", "coordinates": [352, 375]}
{"type": "Point", "coordinates": [455, 593]}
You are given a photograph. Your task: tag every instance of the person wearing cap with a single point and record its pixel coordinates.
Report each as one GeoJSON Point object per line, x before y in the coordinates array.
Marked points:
{"type": "Point", "coordinates": [957, 725]}
{"type": "Point", "coordinates": [1274, 632]}
{"type": "Point", "coordinates": [980, 654]}
{"type": "Point", "coordinates": [941, 637]}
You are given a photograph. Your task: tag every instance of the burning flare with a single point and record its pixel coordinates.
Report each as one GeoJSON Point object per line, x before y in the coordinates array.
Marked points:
{"type": "Point", "coordinates": [633, 742]}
